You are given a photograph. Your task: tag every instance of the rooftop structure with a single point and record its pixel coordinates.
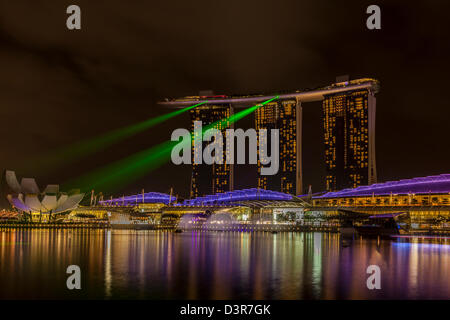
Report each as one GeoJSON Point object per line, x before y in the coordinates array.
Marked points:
{"type": "Point", "coordinates": [439, 184]}
{"type": "Point", "coordinates": [307, 95]}
{"type": "Point", "coordinates": [349, 135]}
{"type": "Point", "coordinates": [230, 197]}
{"type": "Point", "coordinates": [148, 197]}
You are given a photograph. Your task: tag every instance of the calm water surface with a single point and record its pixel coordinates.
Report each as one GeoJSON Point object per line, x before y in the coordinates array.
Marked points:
{"type": "Point", "coordinates": [217, 265]}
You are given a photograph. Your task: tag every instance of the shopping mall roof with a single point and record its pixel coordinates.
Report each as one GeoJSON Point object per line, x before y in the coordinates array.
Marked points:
{"type": "Point", "coordinates": [238, 196]}
{"type": "Point", "coordinates": [148, 197]}
{"type": "Point", "coordinates": [423, 185]}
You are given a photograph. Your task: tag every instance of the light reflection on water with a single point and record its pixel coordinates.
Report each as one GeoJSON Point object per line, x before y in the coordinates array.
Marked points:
{"type": "Point", "coordinates": [217, 265]}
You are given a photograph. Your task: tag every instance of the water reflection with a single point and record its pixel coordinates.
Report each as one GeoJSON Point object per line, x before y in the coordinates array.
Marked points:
{"type": "Point", "coordinates": [217, 265]}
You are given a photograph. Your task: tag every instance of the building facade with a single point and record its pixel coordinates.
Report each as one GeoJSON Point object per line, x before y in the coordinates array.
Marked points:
{"type": "Point", "coordinates": [349, 135]}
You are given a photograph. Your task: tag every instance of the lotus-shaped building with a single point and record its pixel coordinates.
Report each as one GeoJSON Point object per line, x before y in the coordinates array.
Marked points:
{"type": "Point", "coordinates": [27, 198]}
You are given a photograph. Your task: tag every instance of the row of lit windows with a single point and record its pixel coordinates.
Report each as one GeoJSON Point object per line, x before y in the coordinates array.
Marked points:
{"type": "Point", "coordinates": [346, 113]}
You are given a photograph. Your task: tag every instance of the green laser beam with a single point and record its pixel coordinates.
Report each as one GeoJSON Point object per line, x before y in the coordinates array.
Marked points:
{"type": "Point", "coordinates": [131, 168]}
{"type": "Point", "coordinates": [83, 148]}
{"type": "Point", "coordinates": [237, 116]}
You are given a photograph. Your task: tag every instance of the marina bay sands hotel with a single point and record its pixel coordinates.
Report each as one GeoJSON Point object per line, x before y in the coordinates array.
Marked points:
{"type": "Point", "coordinates": [348, 135]}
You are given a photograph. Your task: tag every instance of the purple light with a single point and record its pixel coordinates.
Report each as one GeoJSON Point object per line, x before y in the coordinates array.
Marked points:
{"type": "Point", "coordinates": [238, 195]}
{"type": "Point", "coordinates": [149, 197]}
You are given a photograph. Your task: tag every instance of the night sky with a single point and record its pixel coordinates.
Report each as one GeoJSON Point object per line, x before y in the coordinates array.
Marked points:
{"type": "Point", "coordinates": [59, 86]}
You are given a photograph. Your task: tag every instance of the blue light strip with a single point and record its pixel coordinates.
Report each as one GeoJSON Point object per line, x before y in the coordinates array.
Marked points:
{"type": "Point", "coordinates": [149, 197]}
{"type": "Point", "coordinates": [422, 185]}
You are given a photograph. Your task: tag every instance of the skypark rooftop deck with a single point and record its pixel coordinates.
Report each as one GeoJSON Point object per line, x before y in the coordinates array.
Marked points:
{"type": "Point", "coordinates": [303, 95]}
{"type": "Point", "coordinates": [148, 197]}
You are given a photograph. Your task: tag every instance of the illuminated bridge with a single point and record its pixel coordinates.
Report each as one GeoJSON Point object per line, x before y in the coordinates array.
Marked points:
{"type": "Point", "coordinates": [302, 96]}
{"type": "Point", "coordinates": [349, 137]}
{"type": "Point", "coordinates": [250, 202]}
